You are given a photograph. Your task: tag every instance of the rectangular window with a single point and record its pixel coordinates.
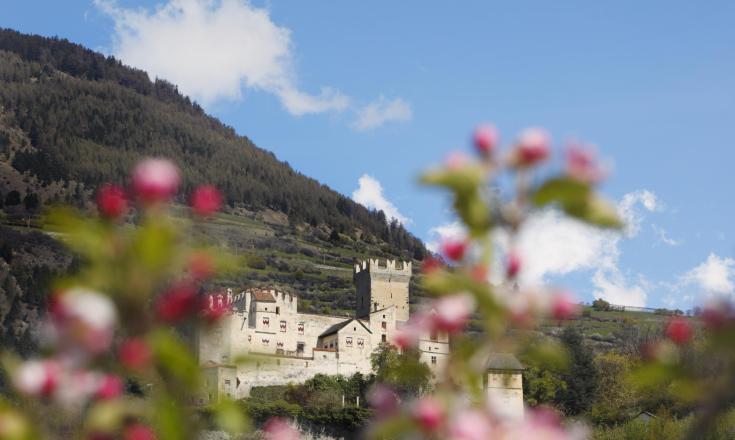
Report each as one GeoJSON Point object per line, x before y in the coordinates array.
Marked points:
{"type": "Point", "coordinates": [227, 381]}
{"type": "Point", "coordinates": [383, 338]}
{"type": "Point", "coordinates": [283, 326]}
{"type": "Point", "coordinates": [384, 325]}
{"type": "Point", "coordinates": [433, 360]}
{"type": "Point", "coordinates": [278, 310]}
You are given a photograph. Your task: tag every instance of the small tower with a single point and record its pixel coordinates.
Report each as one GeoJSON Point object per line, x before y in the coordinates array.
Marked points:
{"type": "Point", "coordinates": [504, 384]}
{"type": "Point", "coordinates": [382, 283]}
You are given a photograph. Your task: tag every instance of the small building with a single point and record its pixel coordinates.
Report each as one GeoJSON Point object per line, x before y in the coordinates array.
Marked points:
{"type": "Point", "coordinates": [504, 384]}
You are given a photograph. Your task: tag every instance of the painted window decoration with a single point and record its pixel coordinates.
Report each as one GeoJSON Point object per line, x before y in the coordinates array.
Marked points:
{"type": "Point", "coordinates": [279, 344]}
{"type": "Point", "coordinates": [433, 360]}
{"type": "Point", "coordinates": [266, 321]}
{"type": "Point", "coordinates": [348, 341]}
{"type": "Point", "coordinates": [301, 328]}
{"type": "Point", "coordinates": [265, 341]}
{"type": "Point", "coordinates": [283, 326]}
{"type": "Point", "coordinates": [250, 338]}
{"type": "Point", "coordinates": [360, 342]}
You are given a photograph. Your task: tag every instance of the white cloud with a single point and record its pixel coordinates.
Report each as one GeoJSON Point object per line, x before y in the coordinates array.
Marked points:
{"type": "Point", "coordinates": [446, 231]}
{"type": "Point", "coordinates": [714, 276]}
{"type": "Point", "coordinates": [663, 237]}
{"type": "Point", "coordinates": [552, 244]}
{"type": "Point", "coordinates": [382, 111]}
{"type": "Point", "coordinates": [611, 285]}
{"type": "Point", "coordinates": [212, 48]}
{"type": "Point", "coordinates": [370, 194]}
{"type": "Point", "coordinates": [629, 211]}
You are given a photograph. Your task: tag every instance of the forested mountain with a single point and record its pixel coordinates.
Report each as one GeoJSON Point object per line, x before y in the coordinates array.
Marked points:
{"type": "Point", "coordinates": [80, 117]}
{"type": "Point", "coordinates": [71, 119]}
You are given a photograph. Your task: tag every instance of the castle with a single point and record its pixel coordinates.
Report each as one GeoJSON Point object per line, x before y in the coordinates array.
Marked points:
{"type": "Point", "coordinates": [285, 346]}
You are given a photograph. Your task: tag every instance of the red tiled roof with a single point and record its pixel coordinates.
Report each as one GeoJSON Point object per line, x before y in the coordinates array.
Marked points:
{"type": "Point", "coordinates": [263, 296]}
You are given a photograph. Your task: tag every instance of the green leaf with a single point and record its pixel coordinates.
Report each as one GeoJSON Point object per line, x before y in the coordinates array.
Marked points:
{"type": "Point", "coordinates": [562, 190]}
{"type": "Point", "coordinates": [577, 200]}
{"type": "Point", "coordinates": [461, 180]}
{"type": "Point", "coordinates": [230, 417]}
{"type": "Point", "coordinates": [174, 357]}
{"type": "Point", "coordinates": [153, 245]}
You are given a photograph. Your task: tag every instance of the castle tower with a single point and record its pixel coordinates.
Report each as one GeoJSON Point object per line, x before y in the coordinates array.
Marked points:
{"type": "Point", "coordinates": [382, 283]}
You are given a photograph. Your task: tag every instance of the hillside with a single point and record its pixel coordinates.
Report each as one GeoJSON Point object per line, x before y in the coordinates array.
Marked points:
{"type": "Point", "coordinates": [72, 119]}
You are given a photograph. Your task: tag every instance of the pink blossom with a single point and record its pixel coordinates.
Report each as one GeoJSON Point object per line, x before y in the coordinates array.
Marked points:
{"type": "Point", "coordinates": [85, 317]}
{"type": "Point", "coordinates": [135, 354]}
{"type": "Point", "coordinates": [178, 303]}
{"type": "Point", "coordinates": [429, 413]}
{"type": "Point", "coordinates": [533, 147]}
{"type": "Point", "coordinates": [277, 428]}
{"type": "Point", "coordinates": [111, 201]}
{"type": "Point", "coordinates": [408, 335]}
{"type": "Point", "coordinates": [452, 312]}
{"type": "Point", "coordinates": [37, 378]}
{"type": "Point", "coordinates": [513, 265]}
{"type": "Point", "coordinates": [679, 331]}
{"type": "Point", "coordinates": [155, 180]}
{"type": "Point", "coordinates": [563, 306]}
{"type": "Point", "coordinates": [581, 164]}
{"type": "Point", "coordinates": [485, 138]}
{"type": "Point", "coordinates": [138, 431]}
{"type": "Point", "coordinates": [471, 424]}
{"type": "Point", "coordinates": [111, 387]}
{"type": "Point", "coordinates": [430, 265]}
{"type": "Point", "coordinates": [454, 249]}
{"type": "Point", "coordinates": [206, 200]}
{"type": "Point", "coordinates": [383, 400]}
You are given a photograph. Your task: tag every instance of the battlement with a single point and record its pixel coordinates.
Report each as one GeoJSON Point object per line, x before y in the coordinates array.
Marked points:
{"type": "Point", "coordinates": [382, 265]}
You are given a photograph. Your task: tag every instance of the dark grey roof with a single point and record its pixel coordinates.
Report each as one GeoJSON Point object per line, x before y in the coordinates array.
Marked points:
{"type": "Point", "coordinates": [340, 325]}
{"type": "Point", "coordinates": [503, 361]}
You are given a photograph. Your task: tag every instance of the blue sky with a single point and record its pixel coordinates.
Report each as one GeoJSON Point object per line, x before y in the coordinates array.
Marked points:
{"type": "Point", "coordinates": [346, 89]}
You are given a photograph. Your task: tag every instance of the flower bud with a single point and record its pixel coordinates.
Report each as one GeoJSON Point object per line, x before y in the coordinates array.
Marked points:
{"type": "Point", "coordinates": [206, 200]}
{"type": "Point", "coordinates": [581, 164]}
{"type": "Point", "coordinates": [135, 354]}
{"type": "Point", "coordinates": [452, 312]}
{"type": "Point", "coordinates": [37, 378]}
{"type": "Point", "coordinates": [513, 265]}
{"type": "Point", "coordinates": [454, 249]}
{"type": "Point", "coordinates": [428, 413]}
{"type": "Point", "coordinates": [679, 331]}
{"type": "Point", "coordinates": [471, 424]}
{"type": "Point", "coordinates": [111, 201]}
{"type": "Point", "coordinates": [485, 139]}
{"type": "Point", "coordinates": [155, 180]}
{"type": "Point", "coordinates": [177, 303]}
{"type": "Point", "coordinates": [563, 306]}
{"type": "Point", "coordinates": [111, 387]}
{"type": "Point", "coordinates": [532, 148]}
{"type": "Point", "coordinates": [138, 431]}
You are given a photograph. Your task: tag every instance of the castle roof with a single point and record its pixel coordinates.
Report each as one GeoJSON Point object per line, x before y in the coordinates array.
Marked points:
{"type": "Point", "coordinates": [263, 296]}
{"type": "Point", "coordinates": [503, 361]}
{"type": "Point", "coordinates": [339, 326]}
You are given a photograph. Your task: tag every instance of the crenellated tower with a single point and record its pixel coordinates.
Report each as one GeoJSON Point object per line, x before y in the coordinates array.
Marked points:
{"type": "Point", "coordinates": [381, 283]}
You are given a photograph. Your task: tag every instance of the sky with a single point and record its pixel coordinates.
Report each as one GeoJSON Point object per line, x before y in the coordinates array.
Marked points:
{"type": "Point", "coordinates": [363, 96]}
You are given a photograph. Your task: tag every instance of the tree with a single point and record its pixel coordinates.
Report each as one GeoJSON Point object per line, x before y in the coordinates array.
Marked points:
{"type": "Point", "coordinates": [615, 403]}
{"type": "Point", "coordinates": [12, 198]}
{"type": "Point", "coordinates": [582, 376]}
{"type": "Point", "coordinates": [31, 202]}
{"type": "Point", "coordinates": [600, 305]}
{"type": "Point", "coordinates": [404, 371]}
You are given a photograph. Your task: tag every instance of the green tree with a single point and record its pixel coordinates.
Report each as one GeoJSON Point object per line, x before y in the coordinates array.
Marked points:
{"type": "Point", "coordinates": [404, 371]}
{"type": "Point", "coordinates": [615, 402]}
{"type": "Point", "coordinates": [12, 198]}
{"type": "Point", "coordinates": [582, 376]}
{"type": "Point", "coordinates": [31, 201]}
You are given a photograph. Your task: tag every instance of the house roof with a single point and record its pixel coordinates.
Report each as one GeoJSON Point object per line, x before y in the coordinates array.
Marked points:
{"type": "Point", "coordinates": [503, 361]}
{"type": "Point", "coordinates": [263, 296]}
{"type": "Point", "coordinates": [339, 326]}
